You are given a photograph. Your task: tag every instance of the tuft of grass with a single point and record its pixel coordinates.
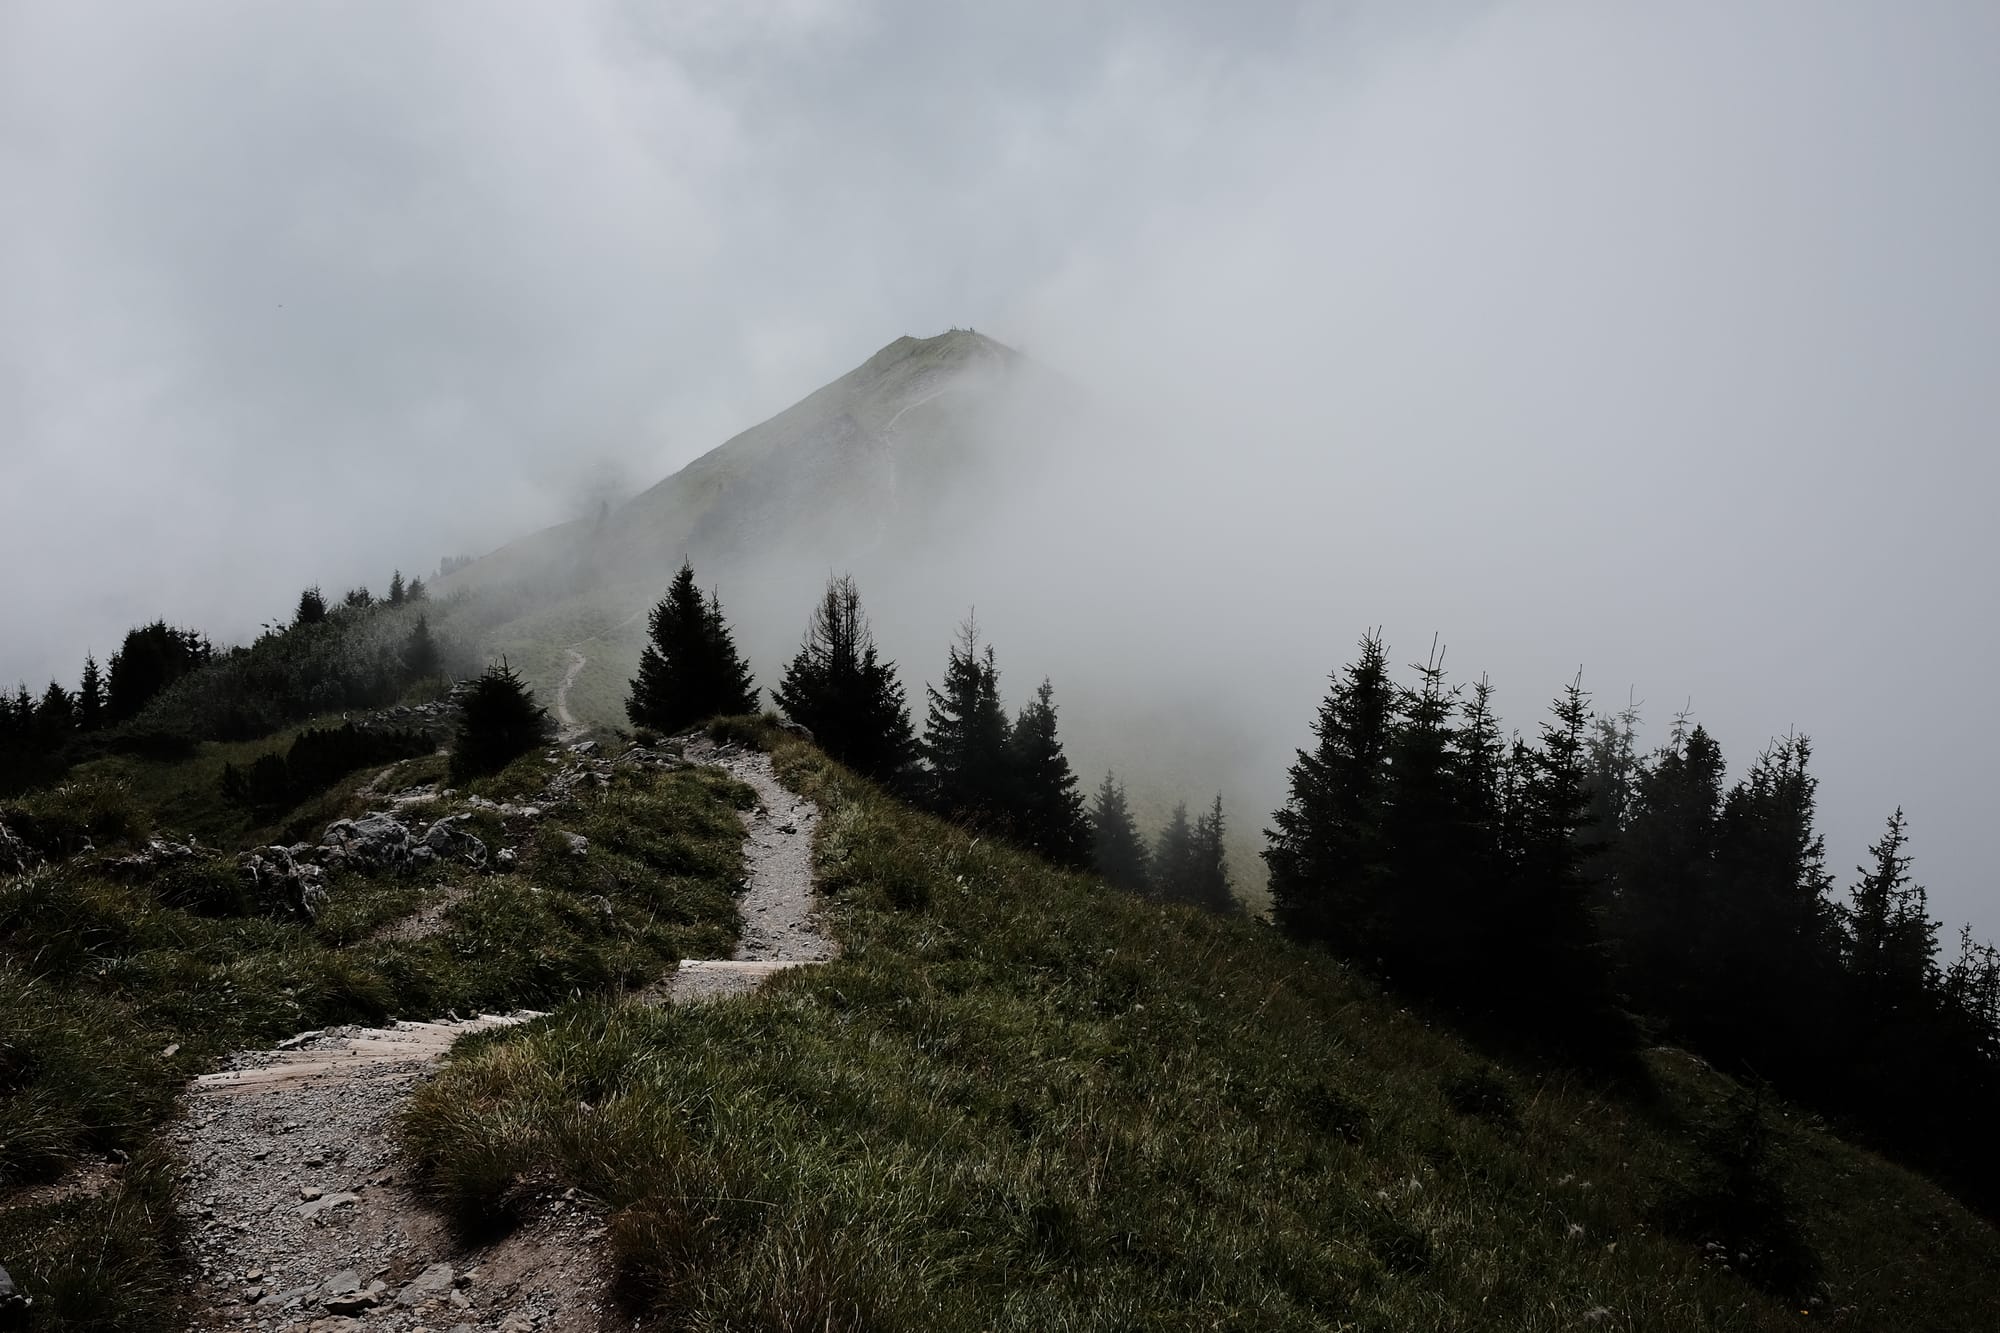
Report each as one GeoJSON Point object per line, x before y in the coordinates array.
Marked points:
{"type": "Point", "coordinates": [1022, 1101]}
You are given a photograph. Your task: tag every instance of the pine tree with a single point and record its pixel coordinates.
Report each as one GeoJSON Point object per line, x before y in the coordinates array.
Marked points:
{"type": "Point", "coordinates": [1546, 933]}
{"type": "Point", "coordinates": [498, 722]}
{"type": "Point", "coordinates": [1326, 854]}
{"type": "Point", "coordinates": [1208, 862]}
{"type": "Point", "coordinates": [1426, 918]}
{"type": "Point", "coordinates": [396, 590]}
{"type": "Point", "coordinates": [837, 689]}
{"type": "Point", "coordinates": [421, 658]}
{"type": "Point", "coordinates": [690, 671]}
{"type": "Point", "coordinates": [152, 658]}
{"type": "Point", "coordinates": [312, 607]}
{"type": "Point", "coordinates": [358, 599]}
{"type": "Point", "coordinates": [415, 592]}
{"type": "Point", "coordinates": [90, 696]}
{"type": "Point", "coordinates": [1117, 852]}
{"type": "Point", "coordinates": [1891, 939]}
{"type": "Point", "coordinates": [1173, 877]}
{"type": "Point", "coordinates": [1046, 810]}
{"type": "Point", "coordinates": [55, 716]}
{"type": "Point", "coordinates": [1665, 902]}
{"type": "Point", "coordinates": [966, 733]}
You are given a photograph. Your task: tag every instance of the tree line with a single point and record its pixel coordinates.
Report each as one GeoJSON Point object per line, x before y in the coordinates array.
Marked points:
{"type": "Point", "coordinates": [1597, 898]}
{"type": "Point", "coordinates": [972, 762]}
{"type": "Point", "coordinates": [167, 687]}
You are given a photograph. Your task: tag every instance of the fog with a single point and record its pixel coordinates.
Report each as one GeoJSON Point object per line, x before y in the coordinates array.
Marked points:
{"type": "Point", "coordinates": [1653, 340]}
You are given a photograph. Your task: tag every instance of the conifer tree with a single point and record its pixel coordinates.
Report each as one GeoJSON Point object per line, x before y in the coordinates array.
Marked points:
{"type": "Point", "coordinates": [1325, 853]}
{"type": "Point", "coordinates": [966, 734]}
{"type": "Point", "coordinates": [396, 590]}
{"type": "Point", "coordinates": [1664, 907]}
{"type": "Point", "coordinates": [1891, 939]}
{"type": "Point", "coordinates": [1425, 921]}
{"type": "Point", "coordinates": [1117, 852]}
{"type": "Point", "coordinates": [55, 716]}
{"type": "Point", "coordinates": [421, 658]}
{"type": "Point", "coordinates": [837, 689]}
{"type": "Point", "coordinates": [358, 599]}
{"type": "Point", "coordinates": [152, 658]}
{"type": "Point", "coordinates": [1208, 862]}
{"type": "Point", "coordinates": [498, 722]}
{"type": "Point", "coordinates": [90, 696]}
{"type": "Point", "coordinates": [1173, 859]}
{"type": "Point", "coordinates": [1547, 931]}
{"type": "Point", "coordinates": [312, 607]}
{"type": "Point", "coordinates": [1046, 810]}
{"type": "Point", "coordinates": [415, 592]}
{"type": "Point", "coordinates": [690, 671]}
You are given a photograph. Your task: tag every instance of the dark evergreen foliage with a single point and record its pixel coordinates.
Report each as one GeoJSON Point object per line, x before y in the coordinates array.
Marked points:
{"type": "Point", "coordinates": [90, 709]}
{"type": "Point", "coordinates": [966, 734]}
{"type": "Point", "coordinates": [421, 656]}
{"type": "Point", "coordinates": [152, 658]}
{"type": "Point", "coordinates": [312, 607]}
{"type": "Point", "coordinates": [317, 759]}
{"type": "Point", "coordinates": [838, 689]}
{"type": "Point", "coordinates": [499, 722]}
{"type": "Point", "coordinates": [1046, 811]}
{"type": "Point", "coordinates": [396, 590]}
{"type": "Point", "coordinates": [690, 671]}
{"type": "Point", "coordinates": [1117, 852]}
{"type": "Point", "coordinates": [1173, 858]}
{"type": "Point", "coordinates": [1326, 854]}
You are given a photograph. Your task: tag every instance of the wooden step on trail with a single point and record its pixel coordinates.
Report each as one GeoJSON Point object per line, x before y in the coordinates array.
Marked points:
{"type": "Point", "coordinates": [342, 1053]}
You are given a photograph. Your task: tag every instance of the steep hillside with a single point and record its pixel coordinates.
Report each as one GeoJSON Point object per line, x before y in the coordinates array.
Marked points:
{"type": "Point", "coordinates": [1021, 1101]}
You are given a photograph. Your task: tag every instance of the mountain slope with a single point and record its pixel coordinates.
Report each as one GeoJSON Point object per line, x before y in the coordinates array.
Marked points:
{"type": "Point", "coordinates": [1021, 1101]}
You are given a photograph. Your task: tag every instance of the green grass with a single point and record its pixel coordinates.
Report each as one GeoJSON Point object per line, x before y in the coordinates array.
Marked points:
{"type": "Point", "coordinates": [113, 994]}
{"type": "Point", "coordinates": [1021, 1101]}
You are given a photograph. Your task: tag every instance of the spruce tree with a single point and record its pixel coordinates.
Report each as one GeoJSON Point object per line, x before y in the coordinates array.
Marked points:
{"type": "Point", "coordinates": [421, 658]}
{"type": "Point", "coordinates": [312, 607]}
{"type": "Point", "coordinates": [396, 590]}
{"type": "Point", "coordinates": [1326, 853]}
{"type": "Point", "coordinates": [498, 722]}
{"type": "Point", "coordinates": [1173, 876]}
{"type": "Point", "coordinates": [1046, 810]}
{"type": "Point", "coordinates": [90, 696]}
{"type": "Point", "coordinates": [415, 592]}
{"type": "Point", "coordinates": [55, 716]}
{"type": "Point", "coordinates": [690, 671]}
{"type": "Point", "coordinates": [358, 599]}
{"type": "Point", "coordinates": [837, 689]}
{"type": "Point", "coordinates": [1891, 939]}
{"type": "Point", "coordinates": [1547, 932]}
{"type": "Point", "coordinates": [1208, 863]}
{"type": "Point", "coordinates": [1117, 852]}
{"type": "Point", "coordinates": [965, 734]}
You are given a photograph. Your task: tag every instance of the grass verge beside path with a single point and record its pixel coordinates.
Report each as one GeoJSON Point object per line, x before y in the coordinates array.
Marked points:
{"type": "Point", "coordinates": [1022, 1101]}
{"type": "Point", "coordinates": [112, 996]}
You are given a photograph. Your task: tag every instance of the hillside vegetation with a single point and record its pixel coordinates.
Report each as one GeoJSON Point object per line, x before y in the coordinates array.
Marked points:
{"type": "Point", "coordinates": [1021, 1100]}
{"type": "Point", "coordinates": [119, 985]}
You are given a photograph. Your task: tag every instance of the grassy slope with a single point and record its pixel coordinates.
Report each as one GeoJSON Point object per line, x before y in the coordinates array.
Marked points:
{"type": "Point", "coordinates": [1020, 1101]}
{"type": "Point", "coordinates": [110, 1000]}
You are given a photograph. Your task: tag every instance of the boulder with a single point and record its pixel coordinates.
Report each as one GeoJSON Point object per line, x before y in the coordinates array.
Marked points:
{"type": "Point", "coordinates": [158, 854]}
{"type": "Point", "coordinates": [280, 879]}
{"type": "Point", "coordinates": [450, 839]}
{"type": "Point", "coordinates": [373, 842]}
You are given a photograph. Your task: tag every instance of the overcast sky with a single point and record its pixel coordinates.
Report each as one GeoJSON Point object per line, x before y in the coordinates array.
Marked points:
{"type": "Point", "coordinates": [1659, 339]}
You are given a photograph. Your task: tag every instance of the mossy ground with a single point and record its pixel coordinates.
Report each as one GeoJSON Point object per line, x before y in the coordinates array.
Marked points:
{"type": "Point", "coordinates": [1021, 1101]}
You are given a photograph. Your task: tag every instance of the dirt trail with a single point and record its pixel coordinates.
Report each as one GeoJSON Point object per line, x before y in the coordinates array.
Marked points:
{"type": "Point", "coordinates": [571, 728]}
{"type": "Point", "coordinates": [781, 925]}
{"type": "Point", "coordinates": [294, 1196]}
{"type": "Point", "coordinates": [301, 1220]}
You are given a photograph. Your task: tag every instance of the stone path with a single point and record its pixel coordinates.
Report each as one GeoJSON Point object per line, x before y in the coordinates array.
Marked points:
{"type": "Point", "coordinates": [781, 920]}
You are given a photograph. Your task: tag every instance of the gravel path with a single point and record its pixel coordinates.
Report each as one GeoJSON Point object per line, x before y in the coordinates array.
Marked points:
{"type": "Point", "coordinates": [294, 1198]}
{"type": "Point", "coordinates": [570, 727]}
{"type": "Point", "coordinates": [781, 926]}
